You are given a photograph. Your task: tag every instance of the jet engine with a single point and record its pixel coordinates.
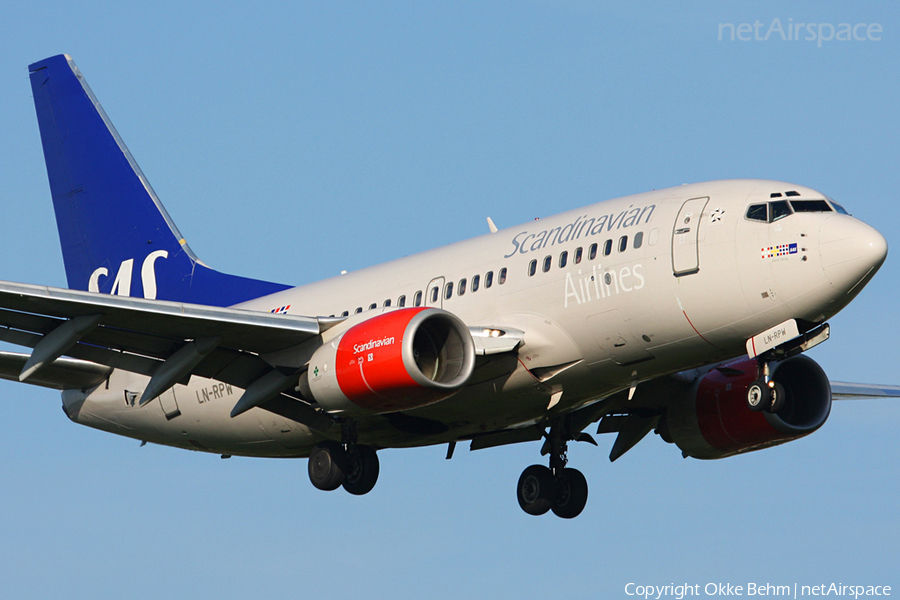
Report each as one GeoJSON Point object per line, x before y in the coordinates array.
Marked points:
{"type": "Point", "coordinates": [713, 419]}
{"type": "Point", "coordinates": [397, 360]}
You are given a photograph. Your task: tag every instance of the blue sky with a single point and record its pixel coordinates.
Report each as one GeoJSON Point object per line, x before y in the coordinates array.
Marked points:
{"type": "Point", "coordinates": [295, 140]}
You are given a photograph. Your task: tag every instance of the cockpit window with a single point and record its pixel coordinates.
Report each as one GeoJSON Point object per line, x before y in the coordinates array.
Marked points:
{"type": "Point", "coordinates": [839, 208]}
{"type": "Point", "coordinates": [758, 212]}
{"type": "Point", "coordinates": [766, 213]}
{"type": "Point", "coordinates": [810, 206]}
{"type": "Point", "coordinates": [779, 210]}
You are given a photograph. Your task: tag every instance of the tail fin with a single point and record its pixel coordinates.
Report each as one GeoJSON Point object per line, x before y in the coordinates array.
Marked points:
{"type": "Point", "coordinates": [116, 236]}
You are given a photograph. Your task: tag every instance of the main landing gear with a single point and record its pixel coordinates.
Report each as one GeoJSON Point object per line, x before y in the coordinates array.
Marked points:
{"type": "Point", "coordinates": [557, 488]}
{"type": "Point", "coordinates": [765, 394]}
{"type": "Point", "coordinates": [345, 463]}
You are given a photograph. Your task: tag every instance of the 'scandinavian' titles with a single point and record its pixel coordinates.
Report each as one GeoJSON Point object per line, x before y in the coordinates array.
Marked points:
{"type": "Point", "coordinates": [583, 226]}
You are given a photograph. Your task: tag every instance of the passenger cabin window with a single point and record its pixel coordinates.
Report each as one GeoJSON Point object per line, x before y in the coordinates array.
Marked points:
{"type": "Point", "coordinates": [346, 313]}
{"type": "Point", "coordinates": [607, 248]}
{"type": "Point", "coordinates": [501, 279]}
{"type": "Point", "coordinates": [548, 260]}
{"type": "Point", "coordinates": [358, 309]}
{"type": "Point", "coordinates": [387, 302]}
{"type": "Point", "coordinates": [532, 268]}
{"type": "Point", "coordinates": [563, 259]}
{"type": "Point", "coordinates": [475, 281]}
{"type": "Point", "coordinates": [435, 291]}
{"type": "Point", "coordinates": [417, 299]}
{"type": "Point", "coordinates": [373, 306]}
{"type": "Point", "coordinates": [638, 239]}
{"type": "Point", "coordinates": [448, 291]}
{"type": "Point", "coordinates": [461, 290]}
{"type": "Point", "coordinates": [592, 252]}
{"type": "Point", "coordinates": [401, 301]}
{"type": "Point", "coordinates": [578, 253]}
{"type": "Point", "coordinates": [623, 243]}
{"type": "Point", "coordinates": [489, 279]}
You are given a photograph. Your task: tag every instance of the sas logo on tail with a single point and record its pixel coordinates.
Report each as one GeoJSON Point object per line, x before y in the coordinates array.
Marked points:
{"type": "Point", "coordinates": [122, 283]}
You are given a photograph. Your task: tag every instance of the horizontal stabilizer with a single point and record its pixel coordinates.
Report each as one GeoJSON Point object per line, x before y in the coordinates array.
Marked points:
{"type": "Point", "coordinates": [60, 374]}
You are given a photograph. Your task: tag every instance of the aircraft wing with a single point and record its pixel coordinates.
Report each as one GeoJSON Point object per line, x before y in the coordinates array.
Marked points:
{"type": "Point", "coordinates": [167, 341]}
{"type": "Point", "coordinates": [863, 391]}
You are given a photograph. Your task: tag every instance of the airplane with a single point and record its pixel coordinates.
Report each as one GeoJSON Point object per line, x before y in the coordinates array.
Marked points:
{"type": "Point", "coordinates": [683, 311]}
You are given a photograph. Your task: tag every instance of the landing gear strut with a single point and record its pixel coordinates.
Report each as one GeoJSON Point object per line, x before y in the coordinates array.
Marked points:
{"type": "Point", "coordinates": [557, 488]}
{"type": "Point", "coordinates": [345, 463]}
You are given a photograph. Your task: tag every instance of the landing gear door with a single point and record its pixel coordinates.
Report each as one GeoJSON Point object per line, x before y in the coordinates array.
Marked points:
{"type": "Point", "coordinates": [434, 293]}
{"type": "Point", "coordinates": [685, 255]}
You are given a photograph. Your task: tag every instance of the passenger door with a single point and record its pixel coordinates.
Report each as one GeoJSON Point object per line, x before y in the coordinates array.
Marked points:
{"type": "Point", "coordinates": [685, 255]}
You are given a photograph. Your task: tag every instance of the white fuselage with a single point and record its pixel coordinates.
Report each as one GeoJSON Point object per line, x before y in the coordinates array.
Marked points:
{"type": "Point", "coordinates": [608, 296]}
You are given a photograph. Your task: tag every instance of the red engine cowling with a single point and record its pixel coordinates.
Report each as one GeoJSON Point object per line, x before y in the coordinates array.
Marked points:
{"type": "Point", "coordinates": [714, 421]}
{"type": "Point", "coordinates": [397, 360]}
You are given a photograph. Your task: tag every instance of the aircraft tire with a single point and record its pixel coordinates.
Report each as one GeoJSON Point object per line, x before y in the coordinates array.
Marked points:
{"type": "Point", "coordinates": [758, 396]}
{"type": "Point", "coordinates": [571, 494]}
{"type": "Point", "coordinates": [536, 490]}
{"type": "Point", "coordinates": [327, 465]}
{"type": "Point", "coordinates": [362, 471]}
{"type": "Point", "coordinates": [778, 396]}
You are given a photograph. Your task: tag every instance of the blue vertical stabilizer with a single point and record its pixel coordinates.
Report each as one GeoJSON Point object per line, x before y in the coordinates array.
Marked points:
{"type": "Point", "coordinates": [115, 234]}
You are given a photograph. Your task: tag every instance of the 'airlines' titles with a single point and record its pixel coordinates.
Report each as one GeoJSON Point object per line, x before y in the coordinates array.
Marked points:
{"type": "Point", "coordinates": [602, 284]}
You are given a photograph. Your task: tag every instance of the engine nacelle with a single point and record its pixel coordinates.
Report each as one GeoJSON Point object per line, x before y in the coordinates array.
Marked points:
{"type": "Point", "coordinates": [397, 360]}
{"type": "Point", "coordinates": [713, 420]}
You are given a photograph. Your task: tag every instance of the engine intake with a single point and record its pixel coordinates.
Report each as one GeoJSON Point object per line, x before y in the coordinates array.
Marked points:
{"type": "Point", "coordinates": [714, 421]}
{"type": "Point", "coordinates": [397, 360]}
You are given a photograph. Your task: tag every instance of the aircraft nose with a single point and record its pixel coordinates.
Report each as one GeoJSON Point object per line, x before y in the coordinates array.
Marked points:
{"type": "Point", "coordinates": [851, 252]}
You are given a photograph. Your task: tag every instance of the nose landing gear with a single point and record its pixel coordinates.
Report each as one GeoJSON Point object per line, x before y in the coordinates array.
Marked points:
{"type": "Point", "coordinates": [768, 395]}
{"type": "Point", "coordinates": [765, 394]}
